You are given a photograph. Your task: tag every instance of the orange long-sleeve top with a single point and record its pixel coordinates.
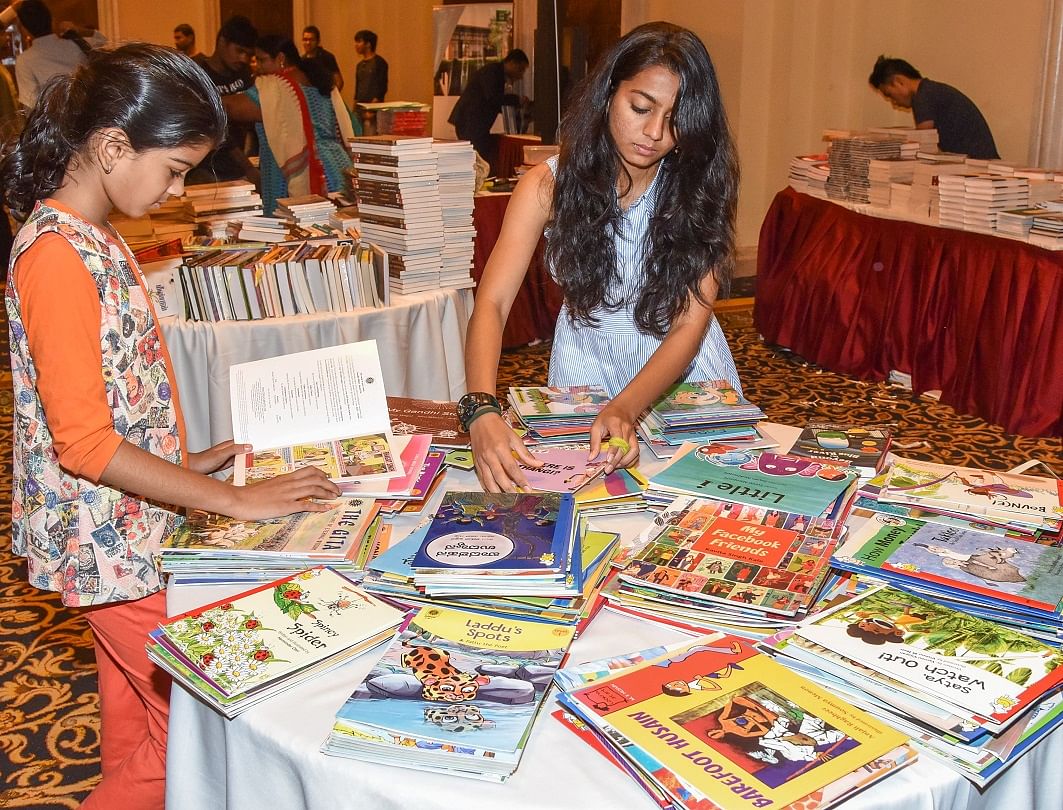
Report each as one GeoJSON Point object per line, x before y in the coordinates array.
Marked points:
{"type": "Point", "coordinates": [61, 313]}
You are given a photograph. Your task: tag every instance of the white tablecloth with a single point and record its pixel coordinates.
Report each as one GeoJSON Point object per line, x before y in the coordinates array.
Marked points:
{"type": "Point", "coordinates": [269, 756]}
{"type": "Point", "coordinates": [421, 339]}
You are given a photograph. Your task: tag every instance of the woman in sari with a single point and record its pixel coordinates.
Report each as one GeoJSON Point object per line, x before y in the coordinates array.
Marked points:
{"type": "Point", "coordinates": [301, 121]}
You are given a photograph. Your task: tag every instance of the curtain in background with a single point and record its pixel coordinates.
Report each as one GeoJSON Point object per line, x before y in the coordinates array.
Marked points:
{"type": "Point", "coordinates": [1046, 145]}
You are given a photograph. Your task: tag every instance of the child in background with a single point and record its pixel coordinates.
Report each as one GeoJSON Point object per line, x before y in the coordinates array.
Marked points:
{"type": "Point", "coordinates": [100, 464]}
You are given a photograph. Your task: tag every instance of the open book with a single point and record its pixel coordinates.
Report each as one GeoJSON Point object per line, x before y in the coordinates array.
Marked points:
{"type": "Point", "coordinates": [324, 408]}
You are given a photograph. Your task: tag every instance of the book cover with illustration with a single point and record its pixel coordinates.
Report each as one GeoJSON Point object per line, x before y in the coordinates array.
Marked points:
{"type": "Point", "coordinates": [733, 725]}
{"type": "Point", "coordinates": [274, 631]}
{"type": "Point", "coordinates": [1023, 498]}
{"type": "Point", "coordinates": [335, 534]}
{"type": "Point", "coordinates": [459, 677]}
{"type": "Point", "coordinates": [439, 419]}
{"type": "Point", "coordinates": [978, 665]}
{"type": "Point", "coordinates": [565, 467]}
{"type": "Point", "coordinates": [1000, 568]}
{"type": "Point", "coordinates": [498, 532]}
{"type": "Point", "coordinates": [762, 478]}
{"type": "Point", "coordinates": [539, 401]}
{"type": "Point", "coordinates": [861, 447]}
{"type": "Point", "coordinates": [703, 554]}
{"type": "Point", "coordinates": [352, 458]}
{"type": "Point", "coordinates": [715, 399]}
{"type": "Point", "coordinates": [413, 452]}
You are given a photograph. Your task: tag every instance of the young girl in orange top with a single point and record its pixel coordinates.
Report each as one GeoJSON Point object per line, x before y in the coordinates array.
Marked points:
{"type": "Point", "coordinates": [101, 469]}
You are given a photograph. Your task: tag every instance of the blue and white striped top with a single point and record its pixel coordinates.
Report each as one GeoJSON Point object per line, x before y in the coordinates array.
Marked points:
{"type": "Point", "coordinates": [613, 352]}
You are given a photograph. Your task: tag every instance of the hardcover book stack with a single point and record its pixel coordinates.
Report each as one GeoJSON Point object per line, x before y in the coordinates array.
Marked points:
{"type": "Point", "coordinates": [1046, 230]}
{"type": "Point", "coordinates": [708, 563]}
{"type": "Point", "coordinates": [923, 199]}
{"type": "Point", "coordinates": [216, 548]}
{"type": "Point", "coordinates": [713, 723]}
{"type": "Point", "coordinates": [849, 160]}
{"type": "Point", "coordinates": [395, 179]}
{"type": "Point", "coordinates": [883, 175]}
{"type": "Point", "coordinates": [213, 206]}
{"type": "Point", "coordinates": [456, 692]}
{"type": "Point", "coordinates": [973, 694]}
{"type": "Point", "coordinates": [972, 201]}
{"type": "Point", "coordinates": [457, 184]}
{"type": "Point", "coordinates": [236, 653]}
{"type": "Point", "coordinates": [704, 411]}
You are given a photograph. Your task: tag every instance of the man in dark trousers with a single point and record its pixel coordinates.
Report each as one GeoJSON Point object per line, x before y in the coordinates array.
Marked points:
{"type": "Point", "coordinates": [961, 127]}
{"type": "Point", "coordinates": [481, 102]}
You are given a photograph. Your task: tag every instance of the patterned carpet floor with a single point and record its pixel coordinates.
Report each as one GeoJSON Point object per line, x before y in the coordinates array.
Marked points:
{"type": "Point", "coordinates": [49, 723]}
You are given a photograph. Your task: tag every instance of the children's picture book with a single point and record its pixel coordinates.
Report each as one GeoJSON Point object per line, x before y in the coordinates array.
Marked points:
{"type": "Point", "coordinates": [1021, 498]}
{"type": "Point", "coordinates": [978, 665]}
{"type": "Point", "coordinates": [438, 419]}
{"type": "Point", "coordinates": [586, 400]}
{"type": "Point", "coordinates": [861, 447]}
{"type": "Point", "coordinates": [498, 532]}
{"type": "Point", "coordinates": [272, 633]}
{"type": "Point", "coordinates": [324, 408]}
{"type": "Point", "coordinates": [413, 453]}
{"type": "Point", "coordinates": [565, 467]}
{"type": "Point", "coordinates": [757, 478]}
{"type": "Point", "coordinates": [722, 722]}
{"type": "Point", "coordinates": [1007, 569]}
{"type": "Point", "coordinates": [754, 564]}
{"type": "Point", "coordinates": [459, 678]}
{"type": "Point", "coordinates": [704, 396]}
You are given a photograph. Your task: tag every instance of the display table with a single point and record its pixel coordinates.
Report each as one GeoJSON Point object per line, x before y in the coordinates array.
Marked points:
{"type": "Point", "coordinates": [511, 152]}
{"type": "Point", "coordinates": [975, 316]}
{"type": "Point", "coordinates": [421, 339]}
{"type": "Point", "coordinates": [535, 309]}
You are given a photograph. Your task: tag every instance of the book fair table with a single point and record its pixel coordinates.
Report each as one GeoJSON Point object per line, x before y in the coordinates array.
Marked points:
{"type": "Point", "coordinates": [538, 302]}
{"type": "Point", "coordinates": [972, 315]}
{"type": "Point", "coordinates": [420, 337]}
{"type": "Point", "coordinates": [269, 755]}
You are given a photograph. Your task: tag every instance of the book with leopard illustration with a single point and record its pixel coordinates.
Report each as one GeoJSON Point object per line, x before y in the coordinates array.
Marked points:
{"type": "Point", "coordinates": [459, 678]}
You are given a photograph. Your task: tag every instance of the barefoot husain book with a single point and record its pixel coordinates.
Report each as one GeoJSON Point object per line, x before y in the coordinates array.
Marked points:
{"type": "Point", "coordinates": [715, 723]}
{"type": "Point", "coordinates": [239, 651]}
{"type": "Point", "coordinates": [217, 546]}
{"type": "Point", "coordinates": [324, 408]}
{"type": "Point", "coordinates": [456, 691]}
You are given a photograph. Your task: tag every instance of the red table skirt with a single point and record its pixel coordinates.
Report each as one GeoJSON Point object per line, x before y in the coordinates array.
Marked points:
{"type": "Point", "coordinates": [538, 303]}
{"type": "Point", "coordinates": [975, 316]}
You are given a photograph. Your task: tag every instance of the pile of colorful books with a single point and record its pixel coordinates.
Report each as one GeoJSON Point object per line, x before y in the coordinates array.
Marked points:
{"type": "Point", "coordinates": [558, 413]}
{"type": "Point", "coordinates": [713, 723]}
{"type": "Point", "coordinates": [862, 448]}
{"type": "Point", "coordinates": [236, 653]}
{"type": "Point", "coordinates": [707, 411]}
{"type": "Point", "coordinates": [456, 692]}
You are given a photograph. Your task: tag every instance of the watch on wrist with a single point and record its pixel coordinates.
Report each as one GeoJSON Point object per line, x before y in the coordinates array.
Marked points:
{"type": "Point", "coordinates": [471, 403]}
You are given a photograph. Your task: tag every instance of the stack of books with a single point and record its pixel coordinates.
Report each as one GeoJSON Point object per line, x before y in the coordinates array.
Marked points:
{"type": "Point", "coordinates": [1047, 230]}
{"type": "Point", "coordinates": [801, 169]}
{"type": "Point", "coordinates": [457, 184]}
{"type": "Point", "coordinates": [236, 653]}
{"type": "Point", "coordinates": [1017, 222]}
{"type": "Point", "coordinates": [717, 564]}
{"type": "Point", "coordinates": [925, 140]}
{"type": "Point", "coordinates": [970, 693]}
{"type": "Point", "coordinates": [456, 692]}
{"type": "Point", "coordinates": [396, 182]}
{"type": "Point", "coordinates": [703, 411]}
{"type": "Point", "coordinates": [558, 413]}
{"type": "Point", "coordinates": [849, 160]}
{"type": "Point", "coordinates": [883, 175]}
{"type": "Point", "coordinates": [216, 548]}
{"type": "Point", "coordinates": [862, 448]}
{"type": "Point", "coordinates": [421, 468]}
{"type": "Point", "coordinates": [923, 198]}
{"type": "Point", "coordinates": [211, 207]}
{"type": "Point", "coordinates": [951, 199]}
{"type": "Point", "coordinates": [986, 195]}
{"type": "Point", "coordinates": [714, 723]}
{"type": "Point", "coordinates": [310, 209]}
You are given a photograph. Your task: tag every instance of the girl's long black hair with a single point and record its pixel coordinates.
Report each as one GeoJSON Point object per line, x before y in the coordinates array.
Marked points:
{"type": "Point", "coordinates": [160, 98]}
{"type": "Point", "coordinates": [691, 233]}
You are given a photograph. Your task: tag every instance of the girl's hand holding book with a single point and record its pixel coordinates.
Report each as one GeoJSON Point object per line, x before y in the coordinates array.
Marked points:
{"type": "Point", "coordinates": [216, 458]}
{"type": "Point", "coordinates": [614, 430]}
{"type": "Point", "coordinates": [498, 452]}
{"type": "Point", "coordinates": [299, 491]}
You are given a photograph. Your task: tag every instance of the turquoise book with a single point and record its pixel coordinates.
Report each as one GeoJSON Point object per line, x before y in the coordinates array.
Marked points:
{"type": "Point", "coordinates": [772, 480]}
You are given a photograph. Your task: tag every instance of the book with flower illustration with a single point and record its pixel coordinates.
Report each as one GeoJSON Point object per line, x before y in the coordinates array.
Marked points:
{"type": "Point", "coordinates": [464, 685]}
{"type": "Point", "coordinates": [715, 722]}
{"type": "Point", "coordinates": [217, 544]}
{"type": "Point", "coordinates": [237, 652]}
{"type": "Point", "coordinates": [324, 408]}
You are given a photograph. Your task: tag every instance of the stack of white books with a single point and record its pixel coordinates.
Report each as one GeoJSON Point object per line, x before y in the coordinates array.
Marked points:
{"type": "Point", "coordinates": [212, 206]}
{"type": "Point", "coordinates": [801, 168]}
{"type": "Point", "coordinates": [310, 209]}
{"type": "Point", "coordinates": [923, 200]}
{"type": "Point", "coordinates": [457, 184]}
{"type": "Point", "coordinates": [395, 179]}
{"type": "Point", "coordinates": [883, 174]}
{"type": "Point", "coordinates": [987, 195]}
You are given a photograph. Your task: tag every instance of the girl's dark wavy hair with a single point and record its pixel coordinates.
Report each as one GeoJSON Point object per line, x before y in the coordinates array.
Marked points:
{"type": "Point", "coordinates": [691, 233]}
{"type": "Point", "coordinates": [318, 75]}
{"type": "Point", "coordinates": [160, 98]}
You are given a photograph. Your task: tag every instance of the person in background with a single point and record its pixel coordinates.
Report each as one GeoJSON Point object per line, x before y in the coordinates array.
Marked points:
{"type": "Point", "coordinates": [229, 67]}
{"type": "Point", "coordinates": [312, 50]}
{"type": "Point", "coordinates": [370, 78]}
{"type": "Point", "coordinates": [101, 470]}
{"type": "Point", "coordinates": [481, 101]}
{"type": "Point", "coordinates": [961, 126]}
{"type": "Point", "coordinates": [638, 210]}
{"type": "Point", "coordinates": [184, 40]}
{"type": "Point", "coordinates": [48, 55]}
{"type": "Point", "coordinates": [294, 98]}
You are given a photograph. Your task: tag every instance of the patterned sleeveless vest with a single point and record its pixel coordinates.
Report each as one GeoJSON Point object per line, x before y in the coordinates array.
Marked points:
{"type": "Point", "coordinates": [92, 543]}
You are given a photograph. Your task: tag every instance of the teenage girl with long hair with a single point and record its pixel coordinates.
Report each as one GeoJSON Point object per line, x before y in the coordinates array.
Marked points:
{"type": "Point", "coordinates": [101, 469]}
{"type": "Point", "coordinates": [638, 211]}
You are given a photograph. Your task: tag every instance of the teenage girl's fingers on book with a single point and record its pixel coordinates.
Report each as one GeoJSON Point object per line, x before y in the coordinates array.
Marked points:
{"type": "Point", "coordinates": [217, 457]}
